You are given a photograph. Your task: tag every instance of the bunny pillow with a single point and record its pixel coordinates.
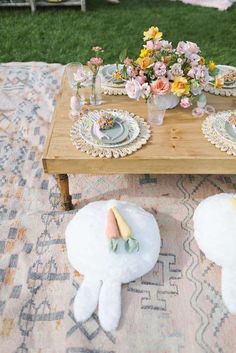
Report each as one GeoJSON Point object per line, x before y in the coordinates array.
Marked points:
{"type": "Point", "coordinates": [110, 243]}
{"type": "Point", "coordinates": [215, 232]}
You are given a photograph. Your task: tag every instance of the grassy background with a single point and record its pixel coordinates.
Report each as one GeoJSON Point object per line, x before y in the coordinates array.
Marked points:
{"type": "Point", "coordinates": [65, 34]}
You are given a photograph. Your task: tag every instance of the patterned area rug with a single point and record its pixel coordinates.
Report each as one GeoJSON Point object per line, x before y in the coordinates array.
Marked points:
{"type": "Point", "coordinates": [175, 308]}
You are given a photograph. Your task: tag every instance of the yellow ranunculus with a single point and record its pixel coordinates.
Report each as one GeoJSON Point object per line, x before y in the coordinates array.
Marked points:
{"type": "Point", "coordinates": [219, 82]}
{"type": "Point", "coordinates": [144, 63]}
{"type": "Point", "coordinates": [152, 34]}
{"type": "Point", "coordinates": [211, 65]}
{"type": "Point", "coordinates": [180, 86]}
{"type": "Point", "coordinates": [143, 53]}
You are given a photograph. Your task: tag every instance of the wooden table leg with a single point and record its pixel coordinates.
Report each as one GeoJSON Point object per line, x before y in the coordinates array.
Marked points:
{"type": "Point", "coordinates": [63, 184]}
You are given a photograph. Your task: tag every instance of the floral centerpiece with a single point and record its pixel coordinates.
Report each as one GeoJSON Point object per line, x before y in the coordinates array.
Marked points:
{"type": "Point", "coordinates": [164, 71]}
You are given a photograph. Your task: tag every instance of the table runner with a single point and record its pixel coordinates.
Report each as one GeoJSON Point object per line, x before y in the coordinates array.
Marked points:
{"type": "Point", "coordinates": [175, 308]}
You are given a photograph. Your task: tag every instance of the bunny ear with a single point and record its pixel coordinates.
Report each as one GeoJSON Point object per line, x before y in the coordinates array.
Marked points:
{"type": "Point", "coordinates": [86, 299]}
{"type": "Point", "coordinates": [110, 305]}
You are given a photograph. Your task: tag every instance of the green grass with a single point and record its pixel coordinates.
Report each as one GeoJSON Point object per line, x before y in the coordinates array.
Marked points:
{"type": "Point", "coordinates": [65, 34]}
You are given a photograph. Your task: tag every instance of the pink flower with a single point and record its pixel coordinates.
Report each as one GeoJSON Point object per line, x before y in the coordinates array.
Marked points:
{"type": "Point", "coordinates": [176, 70]}
{"type": "Point", "coordinates": [161, 86]}
{"type": "Point", "coordinates": [166, 45]}
{"type": "Point", "coordinates": [133, 72]}
{"type": "Point", "coordinates": [146, 90]}
{"type": "Point", "coordinates": [80, 75]}
{"type": "Point", "coordinates": [159, 69]}
{"type": "Point", "coordinates": [95, 61]}
{"type": "Point", "coordinates": [181, 48]}
{"type": "Point", "coordinates": [185, 102]}
{"type": "Point", "coordinates": [153, 45]}
{"type": "Point", "coordinates": [192, 48]}
{"type": "Point", "coordinates": [141, 79]}
{"type": "Point", "coordinates": [128, 61]}
{"type": "Point", "coordinates": [133, 89]}
{"type": "Point", "coordinates": [194, 59]}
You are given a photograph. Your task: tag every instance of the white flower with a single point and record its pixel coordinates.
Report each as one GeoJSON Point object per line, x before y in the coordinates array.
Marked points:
{"type": "Point", "coordinates": [146, 90]}
{"type": "Point", "coordinates": [133, 89]}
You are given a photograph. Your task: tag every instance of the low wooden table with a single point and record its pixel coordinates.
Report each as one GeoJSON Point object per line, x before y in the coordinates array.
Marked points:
{"type": "Point", "coordinates": [176, 147]}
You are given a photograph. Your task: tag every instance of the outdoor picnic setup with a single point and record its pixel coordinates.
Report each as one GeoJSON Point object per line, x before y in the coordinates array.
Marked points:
{"type": "Point", "coordinates": [117, 176]}
{"type": "Point", "coordinates": [168, 111]}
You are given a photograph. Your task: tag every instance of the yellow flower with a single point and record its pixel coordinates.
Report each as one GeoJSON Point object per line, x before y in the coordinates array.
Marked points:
{"type": "Point", "coordinates": [144, 53]}
{"type": "Point", "coordinates": [202, 61]}
{"type": "Point", "coordinates": [180, 86]}
{"type": "Point", "coordinates": [219, 82]}
{"type": "Point", "coordinates": [117, 75]}
{"type": "Point", "coordinates": [211, 65]}
{"type": "Point", "coordinates": [144, 63]}
{"type": "Point", "coordinates": [152, 34]}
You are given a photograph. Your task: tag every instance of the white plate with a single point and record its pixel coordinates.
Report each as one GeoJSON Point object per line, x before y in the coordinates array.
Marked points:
{"type": "Point", "coordinates": [87, 121]}
{"type": "Point", "coordinates": [107, 72]}
{"type": "Point", "coordinates": [222, 70]}
{"type": "Point", "coordinates": [223, 127]}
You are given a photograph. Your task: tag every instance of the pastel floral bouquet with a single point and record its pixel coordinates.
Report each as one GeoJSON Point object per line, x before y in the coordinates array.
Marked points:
{"type": "Point", "coordinates": [162, 69]}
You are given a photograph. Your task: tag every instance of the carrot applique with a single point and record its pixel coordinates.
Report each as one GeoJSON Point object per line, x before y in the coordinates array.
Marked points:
{"type": "Point", "coordinates": [112, 230]}
{"type": "Point", "coordinates": [131, 244]}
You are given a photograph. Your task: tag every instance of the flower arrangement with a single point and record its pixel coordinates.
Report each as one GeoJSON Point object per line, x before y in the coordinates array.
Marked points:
{"type": "Point", "coordinates": [161, 69]}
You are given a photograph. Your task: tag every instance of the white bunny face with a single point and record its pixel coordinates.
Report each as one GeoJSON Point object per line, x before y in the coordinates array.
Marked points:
{"type": "Point", "coordinates": [88, 249]}
{"type": "Point", "coordinates": [104, 270]}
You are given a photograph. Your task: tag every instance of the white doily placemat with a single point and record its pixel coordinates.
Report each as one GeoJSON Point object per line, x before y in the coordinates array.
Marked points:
{"type": "Point", "coordinates": [109, 152]}
{"type": "Point", "coordinates": [218, 136]}
{"type": "Point", "coordinates": [220, 91]}
{"type": "Point", "coordinates": [114, 90]}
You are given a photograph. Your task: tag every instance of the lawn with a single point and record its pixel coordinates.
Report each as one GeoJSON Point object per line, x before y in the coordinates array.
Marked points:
{"type": "Point", "coordinates": [66, 34]}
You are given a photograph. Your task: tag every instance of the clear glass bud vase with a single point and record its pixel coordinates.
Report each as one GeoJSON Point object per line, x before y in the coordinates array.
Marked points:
{"type": "Point", "coordinates": [96, 91]}
{"type": "Point", "coordinates": [156, 112]}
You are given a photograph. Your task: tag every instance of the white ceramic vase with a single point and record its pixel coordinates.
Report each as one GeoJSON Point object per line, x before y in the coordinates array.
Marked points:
{"type": "Point", "coordinates": [167, 101]}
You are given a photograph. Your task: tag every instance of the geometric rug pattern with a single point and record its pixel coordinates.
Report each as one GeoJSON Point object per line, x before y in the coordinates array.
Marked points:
{"type": "Point", "coordinates": [177, 307]}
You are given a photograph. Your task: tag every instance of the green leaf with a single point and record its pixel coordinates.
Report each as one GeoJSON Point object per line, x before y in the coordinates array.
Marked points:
{"type": "Point", "coordinates": [131, 245]}
{"type": "Point", "coordinates": [123, 55]}
{"type": "Point", "coordinates": [114, 245]}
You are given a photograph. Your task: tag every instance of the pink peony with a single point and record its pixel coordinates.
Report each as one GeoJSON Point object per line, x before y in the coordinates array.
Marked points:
{"type": "Point", "coordinates": [133, 89]}
{"type": "Point", "coordinates": [161, 86]}
{"type": "Point", "coordinates": [185, 102]}
{"type": "Point", "coordinates": [159, 69]}
{"type": "Point", "coordinates": [95, 61]}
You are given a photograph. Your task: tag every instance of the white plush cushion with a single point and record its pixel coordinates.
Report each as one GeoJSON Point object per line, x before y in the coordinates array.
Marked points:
{"type": "Point", "coordinates": [215, 229]}
{"type": "Point", "coordinates": [104, 271]}
{"type": "Point", "coordinates": [215, 232]}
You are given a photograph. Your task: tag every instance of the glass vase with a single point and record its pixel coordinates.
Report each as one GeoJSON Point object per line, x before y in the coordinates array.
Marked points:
{"type": "Point", "coordinates": [156, 112]}
{"type": "Point", "coordinates": [96, 91]}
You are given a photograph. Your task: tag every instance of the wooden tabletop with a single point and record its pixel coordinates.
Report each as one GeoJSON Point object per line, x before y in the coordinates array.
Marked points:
{"type": "Point", "coordinates": [176, 147]}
